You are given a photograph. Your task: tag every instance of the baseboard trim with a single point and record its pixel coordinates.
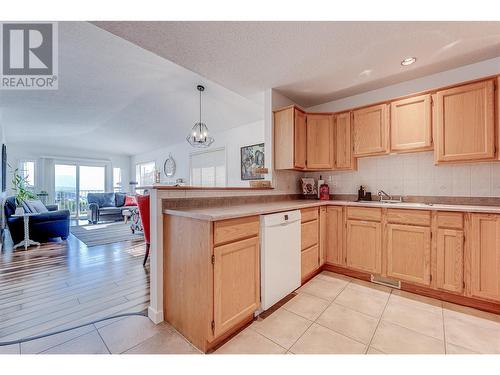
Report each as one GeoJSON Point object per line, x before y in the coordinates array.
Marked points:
{"type": "Point", "coordinates": [156, 316]}
{"type": "Point", "coordinates": [441, 295]}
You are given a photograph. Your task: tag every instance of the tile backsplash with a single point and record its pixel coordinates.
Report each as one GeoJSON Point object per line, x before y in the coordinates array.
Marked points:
{"type": "Point", "coordinates": [416, 174]}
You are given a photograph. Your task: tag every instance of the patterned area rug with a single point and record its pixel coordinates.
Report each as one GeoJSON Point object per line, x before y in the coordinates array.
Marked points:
{"type": "Point", "coordinates": [100, 234]}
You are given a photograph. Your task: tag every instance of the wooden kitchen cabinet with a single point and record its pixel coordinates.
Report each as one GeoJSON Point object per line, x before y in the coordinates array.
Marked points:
{"type": "Point", "coordinates": [450, 260]}
{"type": "Point", "coordinates": [364, 245]}
{"type": "Point", "coordinates": [343, 147]}
{"type": "Point", "coordinates": [371, 130]}
{"type": "Point", "coordinates": [310, 241]}
{"type": "Point", "coordinates": [290, 138]}
{"type": "Point", "coordinates": [211, 276]}
{"type": "Point", "coordinates": [320, 141]}
{"type": "Point", "coordinates": [465, 123]}
{"type": "Point", "coordinates": [411, 124]}
{"type": "Point", "coordinates": [485, 256]}
{"type": "Point", "coordinates": [334, 240]}
{"type": "Point", "coordinates": [409, 253]}
{"type": "Point", "coordinates": [309, 261]}
{"type": "Point", "coordinates": [236, 283]}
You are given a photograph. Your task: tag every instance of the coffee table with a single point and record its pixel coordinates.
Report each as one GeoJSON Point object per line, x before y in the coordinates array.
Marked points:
{"type": "Point", "coordinates": [27, 242]}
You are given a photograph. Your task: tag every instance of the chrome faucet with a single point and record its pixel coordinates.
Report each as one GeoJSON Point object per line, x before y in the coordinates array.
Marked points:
{"type": "Point", "coordinates": [382, 194]}
{"type": "Point", "coordinates": [384, 197]}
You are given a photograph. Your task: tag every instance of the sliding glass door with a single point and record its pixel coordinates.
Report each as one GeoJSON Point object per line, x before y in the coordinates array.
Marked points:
{"type": "Point", "coordinates": [66, 187]}
{"type": "Point", "coordinates": [74, 182]}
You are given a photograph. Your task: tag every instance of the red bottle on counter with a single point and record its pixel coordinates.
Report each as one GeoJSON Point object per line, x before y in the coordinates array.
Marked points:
{"type": "Point", "coordinates": [324, 192]}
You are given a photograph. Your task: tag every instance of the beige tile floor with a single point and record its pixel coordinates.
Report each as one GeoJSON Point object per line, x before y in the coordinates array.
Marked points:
{"type": "Point", "coordinates": [333, 314]}
{"type": "Point", "coordinates": [330, 314]}
{"type": "Point", "coordinates": [130, 335]}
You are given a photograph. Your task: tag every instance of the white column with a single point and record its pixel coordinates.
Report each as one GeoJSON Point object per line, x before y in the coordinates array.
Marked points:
{"type": "Point", "coordinates": [155, 309]}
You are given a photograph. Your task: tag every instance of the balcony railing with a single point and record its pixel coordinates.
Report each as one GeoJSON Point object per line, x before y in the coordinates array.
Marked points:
{"type": "Point", "coordinates": [77, 205]}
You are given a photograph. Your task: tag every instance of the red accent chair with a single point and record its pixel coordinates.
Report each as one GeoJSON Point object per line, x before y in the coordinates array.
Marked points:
{"type": "Point", "coordinates": [143, 205]}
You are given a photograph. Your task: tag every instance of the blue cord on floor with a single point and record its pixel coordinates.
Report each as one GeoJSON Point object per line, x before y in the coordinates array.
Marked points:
{"type": "Point", "coordinates": [142, 313]}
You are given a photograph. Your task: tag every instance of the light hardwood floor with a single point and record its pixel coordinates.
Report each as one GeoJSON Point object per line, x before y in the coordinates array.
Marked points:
{"type": "Point", "coordinates": [63, 284]}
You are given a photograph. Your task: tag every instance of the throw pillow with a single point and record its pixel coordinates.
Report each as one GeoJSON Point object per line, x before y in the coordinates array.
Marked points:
{"type": "Point", "coordinates": [36, 206]}
{"type": "Point", "coordinates": [120, 199]}
{"type": "Point", "coordinates": [26, 207]}
{"type": "Point", "coordinates": [130, 201]}
{"type": "Point", "coordinates": [107, 200]}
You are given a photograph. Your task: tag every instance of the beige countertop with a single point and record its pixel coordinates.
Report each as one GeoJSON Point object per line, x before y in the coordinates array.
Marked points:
{"type": "Point", "coordinates": [231, 212]}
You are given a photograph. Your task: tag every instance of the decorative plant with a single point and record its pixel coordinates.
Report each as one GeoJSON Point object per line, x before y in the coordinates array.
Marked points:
{"type": "Point", "coordinates": [19, 186]}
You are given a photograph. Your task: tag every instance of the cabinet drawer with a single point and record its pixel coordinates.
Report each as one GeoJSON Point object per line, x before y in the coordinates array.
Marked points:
{"type": "Point", "coordinates": [409, 217]}
{"type": "Point", "coordinates": [309, 261]}
{"type": "Point", "coordinates": [308, 214]}
{"type": "Point", "coordinates": [309, 234]}
{"type": "Point", "coordinates": [364, 213]}
{"type": "Point", "coordinates": [454, 220]}
{"type": "Point", "coordinates": [235, 229]}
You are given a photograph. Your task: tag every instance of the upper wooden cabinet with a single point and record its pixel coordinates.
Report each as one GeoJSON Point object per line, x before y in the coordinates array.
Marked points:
{"type": "Point", "coordinates": [411, 124]}
{"type": "Point", "coordinates": [319, 141]}
{"type": "Point", "coordinates": [465, 123]}
{"type": "Point", "coordinates": [290, 138]}
{"type": "Point", "coordinates": [371, 130]}
{"type": "Point", "coordinates": [485, 257]}
{"type": "Point", "coordinates": [343, 152]}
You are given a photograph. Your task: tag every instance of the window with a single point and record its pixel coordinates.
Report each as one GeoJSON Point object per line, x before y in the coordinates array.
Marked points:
{"type": "Point", "coordinates": [208, 168]}
{"type": "Point", "coordinates": [117, 179]}
{"type": "Point", "coordinates": [145, 173]}
{"type": "Point", "coordinates": [27, 170]}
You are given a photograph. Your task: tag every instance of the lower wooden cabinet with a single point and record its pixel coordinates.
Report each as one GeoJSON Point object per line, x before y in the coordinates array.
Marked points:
{"type": "Point", "coordinates": [310, 241]}
{"type": "Point", "coordinates": [335, 230]}
{"type": "Point", "coordinates": [210, 291]}
{"type": "Point", "coordinates": [409, 253]}
{"type": "Point", "coordinates": [309, 261]}
{"type": "Point", "coordinates": [450, 260]}
{"type": "Point", "coordinates": [236, 283]}
{"type": "Point", "coordinates": [485, 256]}
{"type": "Point", "coordinates": [364, 246]}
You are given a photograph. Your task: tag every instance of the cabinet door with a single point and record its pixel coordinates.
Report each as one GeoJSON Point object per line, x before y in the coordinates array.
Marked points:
{"type": "Point", "coordinates": [364, 246]}
{"type": "Point", "coordinates": [465, 128]}
{"type": "Point", "coordinates": [309, 261]}
{"type": "Point", "coordinates": [485, 256]}
{"type": "Point", "coordinates": [409, 253]}
{"type": "Point", "coordinates": [450, 260]}
{"type": "Point", "coordinates": [334, 239]}
{"type": "Point", "coordinates": [309, 234]}
{"type": "Point", "coordinates": [300, 140]}
{"type": "Point", "coordinates": [411, 128]}
{"type": "Point", "coordinates": [371, 127]}
{"type": "Point", "coordinates": [236, 283]}
{"type": "Point", "coordinates": [344, 158]}
{"type": "Point", "coordinates": [319, 141]}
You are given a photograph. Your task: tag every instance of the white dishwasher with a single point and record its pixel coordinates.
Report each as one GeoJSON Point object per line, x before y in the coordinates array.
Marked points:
{"type": "Point", "coordinates": [279, 256]}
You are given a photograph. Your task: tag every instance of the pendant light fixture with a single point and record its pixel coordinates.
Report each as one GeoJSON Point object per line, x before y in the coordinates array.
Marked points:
{"type": "Point", "coordinates": [199, 136]}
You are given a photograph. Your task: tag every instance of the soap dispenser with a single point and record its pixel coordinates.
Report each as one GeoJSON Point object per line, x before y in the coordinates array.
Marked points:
{"type": "Point", "coordinates": [361, 193]}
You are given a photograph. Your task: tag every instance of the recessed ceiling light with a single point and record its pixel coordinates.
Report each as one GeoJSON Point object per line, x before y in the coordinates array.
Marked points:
{"type": "Point", "coordinates": [408, 61]}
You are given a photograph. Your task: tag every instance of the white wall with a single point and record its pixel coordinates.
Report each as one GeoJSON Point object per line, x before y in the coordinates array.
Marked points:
{"type": "Point", "coordinates": [231, 139]}
{"type": "Point", "coordinates": [416, 174]}
{"type": "Point", "coordinates": [44, 174]}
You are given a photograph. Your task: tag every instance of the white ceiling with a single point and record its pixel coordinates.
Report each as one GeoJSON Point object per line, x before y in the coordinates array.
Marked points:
{"type": "Point", "coordinates": [313, 62]}
{"type": "Point", "coordinates": [118, 98]}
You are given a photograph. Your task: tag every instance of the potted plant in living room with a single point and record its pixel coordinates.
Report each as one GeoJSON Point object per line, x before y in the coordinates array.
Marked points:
{"type": "Point", "coordinates": [21, 191]}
